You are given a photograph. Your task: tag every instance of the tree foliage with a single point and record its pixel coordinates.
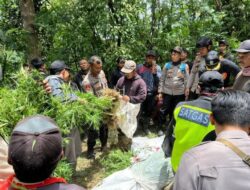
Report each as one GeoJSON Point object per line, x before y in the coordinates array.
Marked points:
{"type": "Point", "coordinates": [73, 29]}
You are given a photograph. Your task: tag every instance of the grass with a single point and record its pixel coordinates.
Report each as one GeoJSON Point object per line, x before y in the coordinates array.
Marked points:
{"type": "Point", "coordinates": [91, 172]}
{"type": "Point", "coordinates": [115, 161]}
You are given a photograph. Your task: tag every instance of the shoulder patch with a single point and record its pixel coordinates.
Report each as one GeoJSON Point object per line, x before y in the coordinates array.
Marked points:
{"type": "Point", "coordinates": [194, 116]}
{"type": "Point", "coordinates": [168, 65]}
{"type": "Point", "coordinates": [183, 67]}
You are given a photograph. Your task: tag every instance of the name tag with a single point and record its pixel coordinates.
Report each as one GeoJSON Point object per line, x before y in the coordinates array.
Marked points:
{"type": "Point", "coordinates": [194, 116]}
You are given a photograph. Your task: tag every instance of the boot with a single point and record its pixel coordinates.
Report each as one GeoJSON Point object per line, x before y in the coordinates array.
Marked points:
{"type": "Point", "coordinates": [145, 126]}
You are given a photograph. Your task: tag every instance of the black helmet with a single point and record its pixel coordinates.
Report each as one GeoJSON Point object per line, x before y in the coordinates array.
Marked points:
{"type": "Point", "coordinates": [223, 42]}
{"type": "Point", "coordinates": [211, 81]}
{"type": "Point", "coordinates": [212, 59]}
{"type": "Point", "coordinates": [204, 42]}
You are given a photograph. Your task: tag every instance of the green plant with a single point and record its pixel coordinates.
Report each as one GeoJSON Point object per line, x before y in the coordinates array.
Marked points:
{"type": "Point", "coordinates": [64, 169]}
{"type": "Point", "coordinates": [116, 160]}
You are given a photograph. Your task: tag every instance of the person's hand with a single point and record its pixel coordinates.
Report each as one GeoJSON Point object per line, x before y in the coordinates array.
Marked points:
{"type": "Point", "coordinates": [187, 91]}
{"type": "Point", "coordinates": [197, 58]}
{"type": "Point", "coordinates": [126, 98]}
{"type": "Point", "coordinates": [47, 87]}
{"type": "Point", "coordinates": [160, 97]}
{"type": "Point", "coordinates": [154, 67]}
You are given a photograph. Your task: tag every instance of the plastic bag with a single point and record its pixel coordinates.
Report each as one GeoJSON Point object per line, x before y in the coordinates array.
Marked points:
{"type": "Point", "coordinates": [152, 174]}
{"type": "Point", "coordinates": [143, 147]}
{"type": "Point", "coordinates": [127, 120]}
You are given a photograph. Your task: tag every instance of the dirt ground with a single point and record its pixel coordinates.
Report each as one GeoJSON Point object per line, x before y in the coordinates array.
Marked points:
{"type": "Point", "coordinates": [89, 172]}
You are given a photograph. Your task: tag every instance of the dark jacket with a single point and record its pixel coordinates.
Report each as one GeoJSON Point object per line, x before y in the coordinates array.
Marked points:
{"type": "Point", "coordinates": [79, 77]}
{"type": "Point", "coordinates": [228, 56]}
{"type": "Point", "coordinates": [135, 88]}
{"type": "Point", "coordinates": [229, 70]}
{"type": "Point", "coordinates": [116, 75]}
{"type": "Point", "coordinates": [151, 79]}
{"type": "Point", "coordinates": [56, 84]}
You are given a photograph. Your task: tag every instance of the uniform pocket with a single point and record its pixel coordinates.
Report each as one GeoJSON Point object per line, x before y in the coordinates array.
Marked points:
{"type": "Point", "coordinates": [209, 173]}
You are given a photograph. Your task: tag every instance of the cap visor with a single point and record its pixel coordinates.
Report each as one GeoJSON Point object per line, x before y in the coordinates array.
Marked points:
{"type": "Point", "coordinates": [174, 50]}
{"type": "Point", "coordinates": [150, 54]}
{"type": "Point", "coordinates": [242, 50]}
{"type": "Point", "coordinates": [124, 70]}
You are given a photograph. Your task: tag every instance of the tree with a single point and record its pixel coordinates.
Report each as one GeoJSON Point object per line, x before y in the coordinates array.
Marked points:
{"type": "Point", "coordinates": [27, 10]}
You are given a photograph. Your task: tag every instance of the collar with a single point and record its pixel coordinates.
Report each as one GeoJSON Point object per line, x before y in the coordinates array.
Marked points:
{"type": "Point", "coordinates": [205, 97]}
{"type": "Point", "coordinates": [84, 72]}
{"type": "Point", "coordinates": [13, 182]}
{"type": "Point", "coordinates": [176, 63]}
{"type": "Point", "coordinates": [215, 68]}
{"type": "Point", "coordinates": [233, 134]}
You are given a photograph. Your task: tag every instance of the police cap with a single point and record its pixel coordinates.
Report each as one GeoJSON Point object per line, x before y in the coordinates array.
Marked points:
{"type": "Point", "coordinates": [204, 42]}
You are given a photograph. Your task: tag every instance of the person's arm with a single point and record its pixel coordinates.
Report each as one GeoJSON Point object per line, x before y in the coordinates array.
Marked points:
{"type": "Point", "coordinates": [57, 91]}
{"type": "Point", "coordinates": [158, 71]}
{"type": "Point", "coordinates": [231, 67]}
{"type": "Point", "coordinates": [186, 76]}
{"type": "Point", "coordinates": [5, 169]}
{"type": "Point", "coordinates": [192, 75]}
{"type": "Point", "coordinates": [113, 80]}
{"type": "Point", "coordinates": [187, 176]}
{"type": "Point", "coordinates": [161, 82]}
{"type": "Point", "coordinates": [168, 143]}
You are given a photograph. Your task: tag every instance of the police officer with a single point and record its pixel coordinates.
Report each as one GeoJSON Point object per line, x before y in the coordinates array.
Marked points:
{"type": "Point", "coordinates": [190, 124]}
{"type": "Point", "coordinates": [172, 85]}
{"type": "Point", "coordinates": [204, 45]}
{"type": "Point", "coordinates": [224, 163]}
{"type": "Point", "coordinates": [225, 67]}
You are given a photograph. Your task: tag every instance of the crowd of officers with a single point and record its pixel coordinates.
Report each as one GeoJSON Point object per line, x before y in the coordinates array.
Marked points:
{"type": "Point", "coordinates": [158, 89]}
{"type": "Point", "coordinates": [177, 99]}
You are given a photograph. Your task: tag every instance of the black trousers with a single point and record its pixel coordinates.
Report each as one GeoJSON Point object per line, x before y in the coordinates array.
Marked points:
{"type": "Point", "coordinates": [93, 134]}
{"type": "Point", "coordinates": [147, 107]}
{"type": "Point", "coordinates": [168, 106]}
{"type": "Point", "coordinates": [192, 96]}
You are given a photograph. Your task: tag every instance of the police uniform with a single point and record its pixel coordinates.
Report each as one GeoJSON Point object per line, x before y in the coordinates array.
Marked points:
{"type": "Point", "coordinates": [214, 166]}
{"type": "Point", "coordinates": [192, 125]}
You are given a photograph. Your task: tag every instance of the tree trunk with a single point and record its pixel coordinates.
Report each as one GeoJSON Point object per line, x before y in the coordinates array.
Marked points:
{"type": "Point", "coordinates": [117, 21]}
{"type": "Point", "coordinates": [153, 18]}
{"type": "Point", "coordinates": [28, 16]}
{"type": "Point", "coordinates": [218, 5]}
